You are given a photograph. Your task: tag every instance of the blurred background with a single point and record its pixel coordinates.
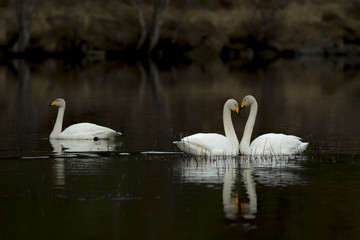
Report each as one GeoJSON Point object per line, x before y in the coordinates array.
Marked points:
{"type": "Point", "coordinates": [179, 30]}
{"type": "Point", "coordinates": [161, 70]}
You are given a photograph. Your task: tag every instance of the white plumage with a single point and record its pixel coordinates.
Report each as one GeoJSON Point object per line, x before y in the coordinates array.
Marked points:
{"type": "Point", "coordinates": [267, 144]}
{"type": "Point", "coordinates": [206, 144]}
{"type": "Point", "coordinates": [213, 144]}
{"type": "Point", "coordinates": [277, 144]}
{"type": "Point", "coordinates": [79, 130]}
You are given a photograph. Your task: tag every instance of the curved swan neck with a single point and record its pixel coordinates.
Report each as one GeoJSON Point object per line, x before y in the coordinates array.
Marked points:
{"type": "Point", "coordinates": [58, 123]}
{"type": "Point", "coordinates": [229, 128]}
{"type": "Point", "coordinates": [245, 141]}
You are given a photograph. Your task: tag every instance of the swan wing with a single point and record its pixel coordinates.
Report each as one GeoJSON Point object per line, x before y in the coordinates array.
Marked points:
{"type": "Point", "coordinates": [206, 144]}
{"type": "Point", "coordinates": [213, 144]}
{"type": "Point", "coordinates": [277, 144]}
{"type": "Point", "coordinates": [87, 131]}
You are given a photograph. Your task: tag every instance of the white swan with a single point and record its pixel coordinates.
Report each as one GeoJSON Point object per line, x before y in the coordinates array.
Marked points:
{"type": "Point", "coordinates": [213, 144]}
{"type": "Point", "coordinates": [79, 130]}
{"type": "Point", "coordinates": [267, 144]}
{"type": "Point", "coordinates": [66, 146]}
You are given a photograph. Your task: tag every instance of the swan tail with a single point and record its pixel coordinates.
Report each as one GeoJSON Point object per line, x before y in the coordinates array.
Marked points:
{"type": "Point", "coordinates": [180, 145]}
{"type": "Point", "coordinates": [302, 147]}
{"type": "Point", "coordinates": [192, 148]}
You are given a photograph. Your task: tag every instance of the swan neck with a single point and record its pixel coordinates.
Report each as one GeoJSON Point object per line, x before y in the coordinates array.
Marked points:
{"type": "Point", "coordinates": [229, 128]}
{"type": "Point", "coordinates": [58, 123]}
{"type": "Point", "coordinates": [245, 141]}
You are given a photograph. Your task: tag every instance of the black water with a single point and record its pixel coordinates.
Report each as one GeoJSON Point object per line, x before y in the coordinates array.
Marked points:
{"type": "Point", "coordinates": [141, 187]}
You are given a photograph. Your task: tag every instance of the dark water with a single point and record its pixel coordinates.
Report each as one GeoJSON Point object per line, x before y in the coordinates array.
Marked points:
{"type": "Point", "coordinates": [141, 187]}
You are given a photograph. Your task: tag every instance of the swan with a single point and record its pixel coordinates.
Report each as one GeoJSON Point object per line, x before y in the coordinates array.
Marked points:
{"type": "Point", "coordinates": [79, 130]}
{"type": "Point", "coordinates": [267, 144]}
{"type": "Point", "coordinates": [213, 144]}
{"type": "Point", "coordinates": [83, 146]}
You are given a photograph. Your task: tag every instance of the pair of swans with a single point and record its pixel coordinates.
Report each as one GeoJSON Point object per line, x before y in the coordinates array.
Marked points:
{"type": "Point", "coordinates": [212, 144]}
{"type": "Point", "coordinates": [83, 131]}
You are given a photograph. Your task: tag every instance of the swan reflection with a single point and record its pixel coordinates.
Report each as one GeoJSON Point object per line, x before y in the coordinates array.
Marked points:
{"type": "Point", "coordinates": [233, 200]}
{"type": "Point", "coordinates": [63, 146]}
{"type": "Point", "coordinates": [277, 170]}
{"type": "Point", "coordinates": [68, 148]}
{"type": "Point", "coordinates": [239, 177]}
{"type": "Point", "coordinates": [58, 172]}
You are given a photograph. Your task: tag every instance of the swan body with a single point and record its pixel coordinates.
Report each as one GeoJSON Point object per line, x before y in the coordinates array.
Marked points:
{"type": "Point", "coordinates": [213, 144]}
{"type": "Point", "coordinates": [267, 144]}
{"type": "Point", "coordinates": [79, 130]}
{"type": "Point", "coordinates": [64, 146]}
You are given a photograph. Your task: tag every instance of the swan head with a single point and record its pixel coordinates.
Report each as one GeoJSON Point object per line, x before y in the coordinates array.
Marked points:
{"type": "Point", "coordinates": [58, 102]}
{"type": "Point", "coordinates": [233, 105]}
{"type": "Point", "coordinates": [247, 101]}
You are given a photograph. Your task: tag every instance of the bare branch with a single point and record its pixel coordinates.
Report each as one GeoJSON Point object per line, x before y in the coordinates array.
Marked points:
{"type": "Point", "coordinates": [159, 14]}
{"type": "Point", "coordinates": [24, 10]}
{"type": "Point", "coordinates": [181, 22]}
{"type": "Point", "coordinates": [144, 29]}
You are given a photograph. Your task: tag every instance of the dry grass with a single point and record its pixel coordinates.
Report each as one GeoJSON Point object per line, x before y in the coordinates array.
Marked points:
{"type": "Point", "coordinates": [114, 24]}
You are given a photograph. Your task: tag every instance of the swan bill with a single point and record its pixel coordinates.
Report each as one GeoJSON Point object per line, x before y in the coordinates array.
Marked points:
{"type": "Point", "coordinates": [242, 104]}
{"type": "Point", "coordinates": [237, 110]}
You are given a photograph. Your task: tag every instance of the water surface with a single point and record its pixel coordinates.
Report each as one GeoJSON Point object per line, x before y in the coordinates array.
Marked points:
{"type": "Point", "coordinates": [140, 187]}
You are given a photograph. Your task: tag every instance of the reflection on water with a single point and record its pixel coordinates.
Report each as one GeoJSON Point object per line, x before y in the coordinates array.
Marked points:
{"type": "Point", "coordinates": [249, 209]}
{"type": "Point", "coordinates": [155, 196]}
{"type": "Point", "coordinates": [232, 199]}
{"type": "Point", "coordinates": [239, 177]}
{"type": "Point", "coordinates": [58, 172]}
{"type": "Point", "coordinates": [160, 105]}
{"type": "Point", "coordinates": [94, 193]}
{"type": "Point", "coordinates": [279, 170]}
{"type": "Point", "coordinates": [65, 148]}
